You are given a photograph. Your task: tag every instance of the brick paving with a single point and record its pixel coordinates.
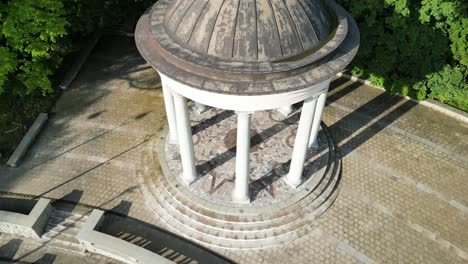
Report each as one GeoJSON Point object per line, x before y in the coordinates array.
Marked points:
{"type": "Point", "coordinates": [404, 185]}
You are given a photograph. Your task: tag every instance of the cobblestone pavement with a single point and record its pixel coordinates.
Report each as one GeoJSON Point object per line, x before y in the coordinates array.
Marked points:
{"type": "Point", "coordinates": [21, 250]}
{"type": "Point", "coordinates": [404, 188]}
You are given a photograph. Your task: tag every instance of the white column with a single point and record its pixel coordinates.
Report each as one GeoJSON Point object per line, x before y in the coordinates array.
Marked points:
{"type": "Point", "coordinates": [286, 110]}
{"type": "Point", "coordinates": [199, 108]}
{"type": "Point", "coordinates": [313, 142]}
{"type": "Point", "coordinates": [294, 177]}
{"type": "Point", "coordinates": [170, 113]}
{"type": "Point", "coordinates": [241, 190]}
{"type": "Point", "coordinates": [184, 130]}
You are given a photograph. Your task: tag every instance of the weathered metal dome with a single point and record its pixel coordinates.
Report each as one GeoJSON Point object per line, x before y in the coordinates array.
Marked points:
{"type": "Point", "coordinates": [249, 30]}
{"type": "Point", "coordinates": [248, 46]}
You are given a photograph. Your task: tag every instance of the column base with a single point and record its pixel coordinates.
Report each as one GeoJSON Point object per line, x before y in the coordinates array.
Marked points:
{"type": "Point", "coordinates": [286, 111]}
{"type": "Point", "coordinates": [173, 141]}
{"type": "Point", "coordinates": [200, 108]}
{"type": "Point", "coordinates": [188, 182]}
{"type": "Point", "coordinates": [315, 145]}
{"type": "Point", "coordinates": [294, 185]}
{"type": "Point", "coordinates": [240, 200]}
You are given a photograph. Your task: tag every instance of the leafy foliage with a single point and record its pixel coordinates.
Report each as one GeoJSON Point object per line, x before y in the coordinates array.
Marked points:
{"type": "Point", "coordinates": [30, 32]}
{"type": "Point", "coordinates": [407, 43]}
{"type": "Point", "coordinates": [451, 17]}
{"type": "Point", "coordinates": [7, 65]}
{"type": "Point", "coordinates": [32, 45]}
{"type": "Point", "coordinates": [35, 35]}
{"type": "Point", "coordinates": [450, 86]}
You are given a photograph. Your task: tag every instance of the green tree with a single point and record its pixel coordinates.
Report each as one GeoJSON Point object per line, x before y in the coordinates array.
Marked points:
{"type": "Point", "coordinates": [450, 86]}
{"type": "Point", "coordinates": [451, 17]}
{"type": "Point", "coordinates": [30, 36]}
{"type": "Point", "coordinates": [407, 44]}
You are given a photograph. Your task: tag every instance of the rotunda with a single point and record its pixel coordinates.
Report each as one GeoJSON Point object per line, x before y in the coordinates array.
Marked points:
{"type": "Point", "coordinates": [246, 56]}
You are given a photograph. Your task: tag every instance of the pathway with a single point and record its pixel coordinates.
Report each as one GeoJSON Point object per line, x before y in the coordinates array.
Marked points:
{"type": "Point", "coordinates": [404, 185]}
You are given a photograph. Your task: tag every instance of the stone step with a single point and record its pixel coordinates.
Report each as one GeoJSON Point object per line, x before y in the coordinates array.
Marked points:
{"type": "Point", "coordinates": [56, 235]}
{"type": "Point", "coordinates": [241, 213]}
{"type": "Point", "coordinates": [67, 246]}
{"type": "Point", "coordinates": [69, 216]}
{"type": "Point", "coordinates": [264, 217]}
{"type": "Point", "coordinates": [62, 241]}
{"type": "Point", "coordinates": [292, 213]}
{"type": "Point", "coordinates": [225, 238]}
{"type": "Point", "coordinates": [229, 238]}
{"type": "Point", "coordinates": [210, 225]}
{"type": "Point", "coordinates": [200, 211]}
{"type": "Point", "coordinates": [201, 236]}
{"type": "Point", "coordinates": [207, 212]}
{"type": "Point", "coordinates": [239, 228]}
{"type": "Point", "coordinates": [62, 229]}
{"type": "Point", "coordinates": [64, 222]}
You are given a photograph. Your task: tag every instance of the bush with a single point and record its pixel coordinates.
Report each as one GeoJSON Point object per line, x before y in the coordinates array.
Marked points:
{"type": "Point", "coordinates": [30, 40]}
{"type": "Point", "coordinates": [407, 43]}
{"type": "Point", "coordinates": [451, 18]}
{"type": "Point", "coordinates": [450, 86]}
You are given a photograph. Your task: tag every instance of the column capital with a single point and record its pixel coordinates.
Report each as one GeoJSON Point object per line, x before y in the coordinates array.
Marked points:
{"type": "Point", "coordinates": [175, 94]}
{"type": "Point", "coordinates": [170, 113]}
{"type": "Point", "coordinates": [244, 112]}
{"type": "Point", "coordinates": [313, 141]}
{"type": "Point", "coordinates": [286, 110]}
{"type": "Point", "coordinates": [199, 108]}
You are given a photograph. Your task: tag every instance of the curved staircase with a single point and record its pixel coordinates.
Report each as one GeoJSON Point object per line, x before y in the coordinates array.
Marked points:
{"type": "Point", "coordinates": [239, 227]}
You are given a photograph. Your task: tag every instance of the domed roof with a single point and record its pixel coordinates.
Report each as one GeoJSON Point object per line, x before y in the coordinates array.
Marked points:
{"type": "Point", "coordinates": [227, 45]}
{"type": "Point", "coordinates": [249, 30]}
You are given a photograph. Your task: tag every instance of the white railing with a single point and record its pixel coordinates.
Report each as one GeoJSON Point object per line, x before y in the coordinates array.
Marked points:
{"type": "Point", "coordinates": [30, 225]}
{"type": "Point", "coordinates": [112, 247]}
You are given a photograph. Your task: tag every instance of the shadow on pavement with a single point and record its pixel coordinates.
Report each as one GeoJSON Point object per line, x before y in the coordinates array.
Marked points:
{"type": "Point", "coordinates": [157, 240]}
{"type": "Point", "coordinates": [122, 208]}
{"type": "Point", "coordinates": [350, 132]}
{"type": "Point", "coordinates": [8, 251]}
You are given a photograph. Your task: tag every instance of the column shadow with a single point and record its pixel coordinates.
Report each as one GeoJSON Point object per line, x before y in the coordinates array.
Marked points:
{"type": "Point", "coordinates": [69, 201]}
{"type": "Point", "coordinates": [122, 208]}
{"type": "Point", "coordinates": [157, 240]}
{"type": "Point", "coordinates": [46, 259]}
{"type": "Point", "coordinates": [206, 167]}
{"type": "Point", "coordinates": [211, 121]}
{"type": "Point", "coordinates": [72, 197]}
{"type": "Point", "coordinates": [9, 250]}
{"type": "Point", "coordinates": [348, 136]}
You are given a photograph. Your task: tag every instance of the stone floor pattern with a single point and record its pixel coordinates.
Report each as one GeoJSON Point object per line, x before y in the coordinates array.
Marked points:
{"type": "Point", "coordinates": [404, 187]}
{"type": "Point", "coordinates": [272, 144]}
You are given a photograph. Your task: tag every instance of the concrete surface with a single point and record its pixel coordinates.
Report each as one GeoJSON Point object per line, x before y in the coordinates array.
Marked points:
{"type": "Point", "coordinates": [404, 185]}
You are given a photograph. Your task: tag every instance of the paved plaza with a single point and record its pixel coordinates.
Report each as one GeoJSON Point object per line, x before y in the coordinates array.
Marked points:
{"type": "Point", "coordinates": [404, 185]}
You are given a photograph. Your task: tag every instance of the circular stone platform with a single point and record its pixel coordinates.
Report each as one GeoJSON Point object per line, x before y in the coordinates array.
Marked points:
{"type": "Point", "coordinates": [204, 211]}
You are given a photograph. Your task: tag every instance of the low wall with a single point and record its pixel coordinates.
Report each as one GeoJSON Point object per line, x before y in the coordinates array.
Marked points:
{"type": "Point", "coordinates": [26, 225]}
{"type": "Point", "coordinates": [27, 140]}
{"type": "Point", "coordinates": [17, 205]}
{"type": "Point", "coordinates": [112, 247]}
